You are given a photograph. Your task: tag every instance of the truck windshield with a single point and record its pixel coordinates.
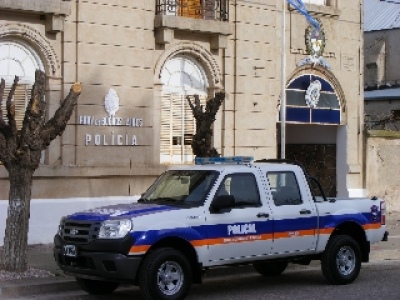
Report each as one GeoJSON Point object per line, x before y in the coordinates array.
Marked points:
{"type": "Point", "coordinates": [181, 187]}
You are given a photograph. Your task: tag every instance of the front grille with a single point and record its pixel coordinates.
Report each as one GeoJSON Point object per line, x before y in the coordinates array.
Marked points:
{"type": "Point", "coordinates": [80, 232]}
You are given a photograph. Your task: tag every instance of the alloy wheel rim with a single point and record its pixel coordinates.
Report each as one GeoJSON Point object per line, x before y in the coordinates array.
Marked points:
{"type": "Point", "coordinates": [170, 277]}
{"type": "Point", "coordinates": [346, 260]}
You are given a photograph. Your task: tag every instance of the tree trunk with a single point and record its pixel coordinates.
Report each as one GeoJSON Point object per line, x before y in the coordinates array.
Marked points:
{"type": "Point", "coordinates": [20, 152]}
{"type": "Point", "coordinates": [15, 246]}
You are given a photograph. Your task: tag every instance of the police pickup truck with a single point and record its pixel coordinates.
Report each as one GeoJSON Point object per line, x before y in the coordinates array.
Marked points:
{"type": "Point", "coordinates": [219, 212]}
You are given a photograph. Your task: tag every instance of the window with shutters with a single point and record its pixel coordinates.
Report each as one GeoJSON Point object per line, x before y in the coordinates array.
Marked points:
{"type": "Point", "coordinates": [18, 59]}
{"type": "Point", "coordinates": [181, 76]}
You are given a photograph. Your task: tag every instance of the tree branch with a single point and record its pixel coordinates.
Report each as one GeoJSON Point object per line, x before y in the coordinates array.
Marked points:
{"type": "Point", "coordinates": [37, 102]}
{"type": "Point", "coordinates": [56, 125]}
{"type": "Point", "coordinates": [2, 87]}
{"type": "Point", "coordinates": [10, 105]}
{"type": "Point", "coordinates": [2, 146]}
{"type": "Point", "coordinates": [213, 105]}
{"type": "Point", "coordinates": [34, 115]}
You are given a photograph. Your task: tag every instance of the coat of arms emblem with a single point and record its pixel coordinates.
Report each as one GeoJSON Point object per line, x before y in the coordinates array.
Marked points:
{"type": "Point", "coordinates": [315, 40]}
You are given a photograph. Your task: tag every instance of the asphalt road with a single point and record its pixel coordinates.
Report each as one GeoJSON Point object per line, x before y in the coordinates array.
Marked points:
{"type": "Point", "coordinates": [377, 280]}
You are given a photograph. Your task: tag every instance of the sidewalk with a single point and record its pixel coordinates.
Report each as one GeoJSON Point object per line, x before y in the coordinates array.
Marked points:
{"type": "Point", "coordinates": [40, 257]}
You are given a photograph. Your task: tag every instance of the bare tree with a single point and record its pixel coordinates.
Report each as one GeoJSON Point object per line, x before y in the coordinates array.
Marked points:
{"type": "Point", "coordinates": [20, 152]}
{"type": "Point", "coordinates": [201, 143]}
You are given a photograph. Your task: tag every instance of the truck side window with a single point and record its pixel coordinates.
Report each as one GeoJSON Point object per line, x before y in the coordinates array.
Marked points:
{"type": "Point", "coordinates": [243, 187]}
{"type": "Point", "coordinates": [284, 187]}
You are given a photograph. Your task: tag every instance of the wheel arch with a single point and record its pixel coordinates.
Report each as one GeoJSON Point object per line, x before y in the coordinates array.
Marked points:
{"type": "Point", "coordinates": [186, 249]}
{"type": "Point", "coordinates": [355, 231]}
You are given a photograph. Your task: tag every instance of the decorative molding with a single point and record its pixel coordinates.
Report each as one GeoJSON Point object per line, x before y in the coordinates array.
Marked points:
{"type": "Point", "coordinates": [36, 40]}
{"type": "Point", "coordinates": [211, 66]}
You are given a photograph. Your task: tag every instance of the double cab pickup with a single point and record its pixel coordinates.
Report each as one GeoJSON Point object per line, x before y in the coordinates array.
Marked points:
{"type": "Point", "coordinates": [222, 211]}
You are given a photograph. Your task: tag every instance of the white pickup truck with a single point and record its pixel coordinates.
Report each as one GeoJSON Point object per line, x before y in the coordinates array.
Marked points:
{"type": "Point", "coordinates": [219, 212]}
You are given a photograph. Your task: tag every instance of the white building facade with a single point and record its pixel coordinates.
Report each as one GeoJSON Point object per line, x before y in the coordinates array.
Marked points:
{"type": "Point", "coordinates": [148, 55]}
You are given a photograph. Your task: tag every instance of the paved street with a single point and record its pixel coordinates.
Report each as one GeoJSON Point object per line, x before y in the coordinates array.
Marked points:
{"type": "Point", "coordinates": [378, 280]}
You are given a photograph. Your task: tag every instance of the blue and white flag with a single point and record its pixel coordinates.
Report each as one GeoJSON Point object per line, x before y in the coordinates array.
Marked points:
{"type": "Point", "coordinates": [299, 6]}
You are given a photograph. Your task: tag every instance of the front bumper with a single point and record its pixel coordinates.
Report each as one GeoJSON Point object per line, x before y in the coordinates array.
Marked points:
{"type": "Point", "coordinates": [98, 261]}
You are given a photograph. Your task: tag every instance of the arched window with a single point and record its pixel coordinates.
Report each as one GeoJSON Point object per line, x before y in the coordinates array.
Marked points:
{"type": "Point", "coordinates": [312, 99]}
{"type": "Point", "coordinates": [181, 76]}
{"type": "Point", "coordinates": [18, 59]}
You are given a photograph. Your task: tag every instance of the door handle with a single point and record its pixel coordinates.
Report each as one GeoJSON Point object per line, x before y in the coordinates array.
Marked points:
{"type": "Point", "coordinates": [305, 212]}
{"type": "Point", "coordinates": [263, 215]}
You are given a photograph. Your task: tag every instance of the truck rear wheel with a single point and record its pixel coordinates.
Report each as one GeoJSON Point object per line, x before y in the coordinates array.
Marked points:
{"type": "Point", "coordinates": [165, 275]}
{"type": "Point", "coordinates": [341, 261]}
{"type": "Point", "coordinates": [97, 287]}
{"type": "Point", "coordinates": [272, 268]}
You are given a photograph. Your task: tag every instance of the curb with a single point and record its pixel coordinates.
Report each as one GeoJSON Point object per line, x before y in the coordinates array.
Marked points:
{"type": "Point", "coordinates": [33, 287]}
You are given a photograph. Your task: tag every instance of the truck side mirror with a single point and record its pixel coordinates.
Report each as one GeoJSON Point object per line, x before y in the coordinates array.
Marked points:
{"type": "Point", "coordinates": [222, 202]}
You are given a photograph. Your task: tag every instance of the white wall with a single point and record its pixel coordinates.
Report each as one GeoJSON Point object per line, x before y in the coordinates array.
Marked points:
{"type": "Point", "coordinates": [46, 214]}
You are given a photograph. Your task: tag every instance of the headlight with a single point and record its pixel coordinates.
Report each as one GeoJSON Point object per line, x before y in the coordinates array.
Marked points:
{"type": "Point", "coordinates": [114, 229]}
{"type": "Point", "coordinates": [61, 225]}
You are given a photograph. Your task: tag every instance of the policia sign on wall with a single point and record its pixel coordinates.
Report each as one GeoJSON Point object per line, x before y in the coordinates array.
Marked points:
{"type": "Point", "coordinates": [111, 105]}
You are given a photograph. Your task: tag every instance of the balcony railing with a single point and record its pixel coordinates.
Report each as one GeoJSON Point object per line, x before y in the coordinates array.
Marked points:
{"type": "Point", "coordinates": [196, 9]}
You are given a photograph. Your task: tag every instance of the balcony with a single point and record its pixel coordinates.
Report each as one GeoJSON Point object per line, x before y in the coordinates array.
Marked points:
{"type": "Point", "coordinates": [209, 17]}
{"type": "Point", "coordinates": [197, 9]}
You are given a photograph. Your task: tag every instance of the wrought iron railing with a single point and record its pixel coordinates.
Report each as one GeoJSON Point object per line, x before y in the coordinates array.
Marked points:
{"type": "Point", "coordinates": [196, 9]}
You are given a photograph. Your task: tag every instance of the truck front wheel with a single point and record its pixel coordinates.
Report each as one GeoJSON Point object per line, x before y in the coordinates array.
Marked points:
{"type": "Point", "coordinates": [272, 268]}
{"type": "Point", "coordinates": [341, 261]}
{"type": "Point", "coordinates": [97, 287]}
{"type": "Point", "coordinates": [165, 275]}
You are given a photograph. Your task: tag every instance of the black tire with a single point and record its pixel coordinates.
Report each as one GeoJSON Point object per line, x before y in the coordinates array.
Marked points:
{"type": "Point", "coordinates": [165, 275]}
{"type": "Point", "coordinates": [272, 268]}
{"type": "Point", "coordinates": [97, 287]}
{"type": "Point", "coordinates": [341, 261]}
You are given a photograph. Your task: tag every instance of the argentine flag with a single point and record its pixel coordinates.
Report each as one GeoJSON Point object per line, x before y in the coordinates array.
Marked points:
{"type": "Point", "coordinates": [299, 5]}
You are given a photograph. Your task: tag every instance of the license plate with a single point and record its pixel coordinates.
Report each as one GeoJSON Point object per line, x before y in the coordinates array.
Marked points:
{"type": "Point", "coordinates": [70, 250]}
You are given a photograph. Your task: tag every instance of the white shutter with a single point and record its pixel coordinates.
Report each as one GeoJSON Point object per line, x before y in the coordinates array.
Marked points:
{"type": "Point", "coordinates": [177, 129]}
{"type": "Point", "coordinates": [166, 133]}
{"type": "Point", "coordinates": [21, 99]}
